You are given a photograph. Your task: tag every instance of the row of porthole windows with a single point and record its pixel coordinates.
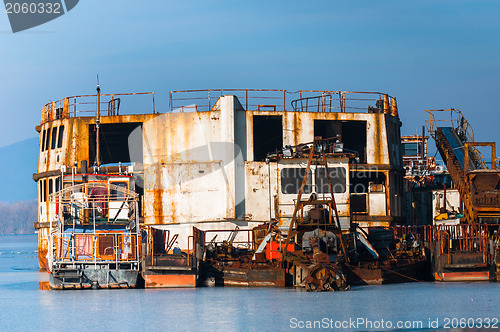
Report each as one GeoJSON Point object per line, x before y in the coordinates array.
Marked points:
{"type": "Point", "coordinates": [50, 141]}
{"type": "Point", "coordinates": [47, 187]}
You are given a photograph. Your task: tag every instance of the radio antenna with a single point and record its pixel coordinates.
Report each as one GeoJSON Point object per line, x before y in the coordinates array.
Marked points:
{"type": "Point", "coordinates": [97, 122]}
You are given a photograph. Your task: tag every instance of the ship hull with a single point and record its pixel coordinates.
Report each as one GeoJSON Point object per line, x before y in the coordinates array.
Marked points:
{"type": "Point", "coordinates": [386, 274]}
{"type": "Point", "coordinates": [462, 276]}
{"type": "Point", "coordinates": [243, 277]}
{"type": "Point", "coordinates": [175, 279]}
{"type": "Point", "coordinates": [93, 278]}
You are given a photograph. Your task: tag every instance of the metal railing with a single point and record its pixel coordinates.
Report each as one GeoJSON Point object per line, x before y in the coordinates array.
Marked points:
{"type": "Point", "coordinates": [109, 105]}
{"type": "Point", "coordinates": [344, 101]}
{"type": "Point", "coordinates": [205, 100]}
{"type": "Point", "coordinates": [277, 100]}
{"type": "Point", "coordinates": [94, 202]}
{"type": "Point", "coordinates": [453, 238]}
{"type": "Point", "coordinates": [448, 118]}
{"type": "Point", "coordinates": [160, 249]}
{"type": "Point", "coordinates": [455, 119]}
{"type": "Point", "coordinates": [98, 248]}
{"type": "Point", "coordinates": [271, 100]}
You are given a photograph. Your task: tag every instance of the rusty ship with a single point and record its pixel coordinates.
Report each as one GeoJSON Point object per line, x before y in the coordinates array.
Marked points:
{"type": "Point", "coordinates": [214, 185]}
{"type": "Point", "coordinates": [203, 165]}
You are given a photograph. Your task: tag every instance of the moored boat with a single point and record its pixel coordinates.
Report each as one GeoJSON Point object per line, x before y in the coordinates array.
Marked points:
{"type": "Point", "coordinates": [94, 235]}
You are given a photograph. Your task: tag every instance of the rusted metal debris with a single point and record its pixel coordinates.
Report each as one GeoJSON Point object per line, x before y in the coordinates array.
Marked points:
{"type": "Point", "coordinates": [227, 265]}
{"type": "Point", "coordinates": [322, 275]}
{"type": "Point", "coordinates": [325, 277]}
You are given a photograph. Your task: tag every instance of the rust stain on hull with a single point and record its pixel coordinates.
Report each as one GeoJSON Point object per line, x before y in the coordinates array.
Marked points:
{"type": "Point", "coordinates": [462, 276]}
{"type": "Point", "coordinates": [157, 194]}
{"type": "Point", "coordinates": [169, 280]}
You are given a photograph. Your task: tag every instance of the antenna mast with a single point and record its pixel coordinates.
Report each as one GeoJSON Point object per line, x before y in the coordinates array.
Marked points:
{"type": "Point", "coordinates": [97, 122]}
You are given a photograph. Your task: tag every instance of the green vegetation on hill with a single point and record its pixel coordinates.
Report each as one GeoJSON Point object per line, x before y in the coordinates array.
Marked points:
{"type": "Point", "coordinates": [18, 217]}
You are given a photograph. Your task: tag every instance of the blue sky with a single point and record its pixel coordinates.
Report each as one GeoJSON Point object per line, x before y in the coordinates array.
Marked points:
{"type": "Point", "coordinates": [428, 54]}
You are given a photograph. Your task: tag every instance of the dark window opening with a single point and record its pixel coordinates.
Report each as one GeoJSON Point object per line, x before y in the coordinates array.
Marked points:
{"type": "Point", "coordinates": [59, 112]}
{"type": "Point", "coordinates": [44, 190]}
{"type": "Point", "coordinates": [60, 137]}
{"type": "Point", "coordinates": [291, 181]}
{"type": "Point", "coordinates": [115, 145]}
{"type": "Point", "coordinates": [54, 138]}
{"type": "Point", "coordinates": [40, 188]}
{"type": "Point", "coordinates": [361, 181]}
{"type": "Point", "coordinates": [361, 184]}
{"type": "Point", "coordinates": [412, 149]}
{"type": "Point", "coordinates": [267, 135]}
{"type": "Point", "coordinates": [337, 177]}
{"type": "Point", "coordinates": [56, 187]}
{"type": "Point", "coordinates": [47, 139]}
{"type": "Point", "coordinates": [43, 140]}
{"type": "Point", "coordinates": [50, 186]}
{"type": "Point", "coordinates": [352, 134]}
{"type": "Point", "coordinates": [159, 238]}
{"type": "Point", "coordinates": [106, 245]}
{"type": "Point", "coordinates": [359, 203]}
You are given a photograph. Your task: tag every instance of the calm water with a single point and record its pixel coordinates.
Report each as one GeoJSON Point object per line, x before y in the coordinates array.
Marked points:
{"type": "Point", "coordinates": [24, 307]}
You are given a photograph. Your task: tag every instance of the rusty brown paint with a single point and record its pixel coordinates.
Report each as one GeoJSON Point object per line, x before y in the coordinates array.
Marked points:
{"type": "Point", "coordinates": [386, 104]}
{"type": "Point", "coordinates": [169, 280]}
{"type": "Point", "coordinates": [297, 126]}
{"type": "Point", "coordinates": [43, 247]}
{"type": "Point", "coordinates": [387, 192]}
{"type": "Point", "coordinates": [463, 276]}
{"type": "Point", "coordinates": [377, 143]}
{"type": "Point", "coordinates": [158, 198]}
{"type": "Point", "coordinates": [45, 115]}
{"type": "Point", "coordinates": [394, 107]}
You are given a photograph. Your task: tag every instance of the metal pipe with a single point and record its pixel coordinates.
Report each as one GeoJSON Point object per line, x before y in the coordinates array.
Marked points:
{"type": "Point", "coordinates": [171, 105]}
{"type": "Point", "coordinates": [284, 100]}
{"type": "Point", "coordinates": [423, 143]}
{"type": "Point", "coordinates": [154, 110]}
{"type": "Point", "coordinates": [269, 184]}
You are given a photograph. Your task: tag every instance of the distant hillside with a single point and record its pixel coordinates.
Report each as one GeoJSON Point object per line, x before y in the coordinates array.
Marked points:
{"type": "Point", "coordinates": [18, 217]}
{"type": "Point", "coordinates": [18, 162]}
